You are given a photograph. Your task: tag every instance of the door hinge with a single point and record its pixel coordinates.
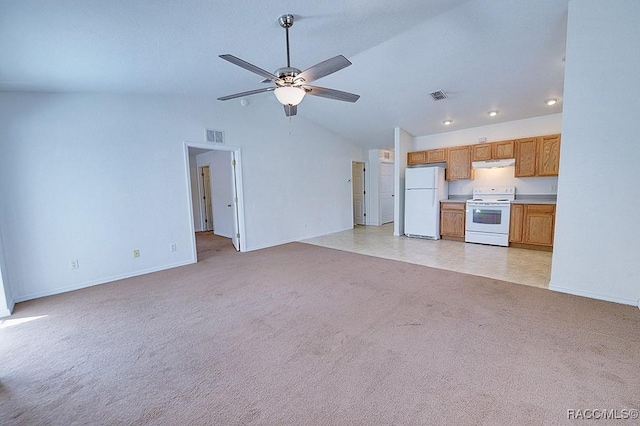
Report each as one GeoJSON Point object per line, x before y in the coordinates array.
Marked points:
{"type": "Point", "coordinates": [364, 170]}
{"type": "Point", "coordinates": [364, 192]}
{"type": "Point", "coordinates": [233, 162]}
{"type": "Point", "coordinates": [237, 235]}
{"type": "Point", "coordinates": [365, 215]}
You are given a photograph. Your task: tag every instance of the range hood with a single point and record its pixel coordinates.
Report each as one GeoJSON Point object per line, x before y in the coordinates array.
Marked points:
{"type": "Point", "coordinates": [493, 164]}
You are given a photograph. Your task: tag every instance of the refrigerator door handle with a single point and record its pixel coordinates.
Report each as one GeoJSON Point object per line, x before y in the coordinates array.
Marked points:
{"type": "Point", "coordinates": [433, 200]}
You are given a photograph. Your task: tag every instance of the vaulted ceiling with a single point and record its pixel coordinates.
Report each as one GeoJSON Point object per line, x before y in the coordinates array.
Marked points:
{"type": "Point", "coordinates": [504, 55]}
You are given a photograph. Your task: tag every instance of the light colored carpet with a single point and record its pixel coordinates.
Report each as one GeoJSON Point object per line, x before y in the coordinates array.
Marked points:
{"type": "Point", "coordinates": [300, 334]}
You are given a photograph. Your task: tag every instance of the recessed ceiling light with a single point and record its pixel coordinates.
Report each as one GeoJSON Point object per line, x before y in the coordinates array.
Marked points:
{"type": "Point", "coordinates": [447, 122]}
{"type": "Point", "coordinates": [551, 101]}
{"type": "Point", "coordinates": [492, 113]}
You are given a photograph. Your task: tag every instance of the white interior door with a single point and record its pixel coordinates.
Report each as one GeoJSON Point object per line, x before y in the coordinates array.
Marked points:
{"type": "Point", "coordinates": [235, 238]}
{"type": "Point", "coordinates": [357, 180]}
{"type": "Point", "coordinates": [386, 192]}
{"type": "Point", "coordinates": [222, 193]}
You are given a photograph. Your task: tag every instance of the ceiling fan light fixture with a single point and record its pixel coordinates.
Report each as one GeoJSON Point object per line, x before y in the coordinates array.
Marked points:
{"type": "Point", "coordinates": [447, 122]}
{"type": "Point", "coordinates": [289, 95]}
{"type": "Point", "coordinates": [492, 113]}
{"type": "Point", "coordinates": [551, 102]}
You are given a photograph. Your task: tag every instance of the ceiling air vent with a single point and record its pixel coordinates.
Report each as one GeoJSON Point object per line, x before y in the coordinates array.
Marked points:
{"type": "Point", "coordinates": [438, 95]}
{"type": "Point", "coordinates": [215, 136]}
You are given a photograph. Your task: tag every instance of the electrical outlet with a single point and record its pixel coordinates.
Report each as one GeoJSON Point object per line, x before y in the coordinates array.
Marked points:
{"type": "Point", "coordinates": [136, 253]}
{"type": "Point", "coordinates": [74, 264]}
{"type": "Point", "coordinates": [173, 247]}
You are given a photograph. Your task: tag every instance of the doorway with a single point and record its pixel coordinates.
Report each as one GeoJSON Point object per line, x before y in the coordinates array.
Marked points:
{"type": "Point", "coordinates": [195, 182]}
{"type": "Point", "coordinates": [359, 193]}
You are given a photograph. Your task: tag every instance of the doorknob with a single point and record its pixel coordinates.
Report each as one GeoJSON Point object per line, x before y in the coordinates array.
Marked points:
{"type": "Point", "coordinates": [228, 205]}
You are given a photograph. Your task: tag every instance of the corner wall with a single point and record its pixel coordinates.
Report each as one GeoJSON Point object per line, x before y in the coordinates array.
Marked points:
{"type": "Point", "coordinates": [403, 143]}
{"type": "Point", "coordinates": [597, 237]}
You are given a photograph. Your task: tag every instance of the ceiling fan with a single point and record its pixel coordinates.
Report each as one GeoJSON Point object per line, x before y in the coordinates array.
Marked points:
{"type": "Point", "coordinates": [291, 84]}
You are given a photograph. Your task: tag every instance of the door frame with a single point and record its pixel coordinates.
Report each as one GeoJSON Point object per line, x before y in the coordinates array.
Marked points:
{"type": "Point", "coordinates": [240, 217]}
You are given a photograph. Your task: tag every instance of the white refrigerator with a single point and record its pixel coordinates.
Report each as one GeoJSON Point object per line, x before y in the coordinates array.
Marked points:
{"type": "Point", "coordinates": [424, 188]}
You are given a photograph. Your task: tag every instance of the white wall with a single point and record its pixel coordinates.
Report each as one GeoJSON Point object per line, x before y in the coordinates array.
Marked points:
{"type": "Point", "coordinates": [597, 237]}
{"type": "Point", "coordinates": [403, 143]}
{"type": "Point", "coordinates": [6, 299]}
{"type": "Point", "coordinates": [373, 189]}
{"type": "Point", "coordinates": [93, 177]}
{"type": "Point", "coordinates": [546, 124]}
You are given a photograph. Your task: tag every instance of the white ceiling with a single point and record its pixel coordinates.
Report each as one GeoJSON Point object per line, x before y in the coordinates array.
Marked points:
{"type": "Point", "coordinates": [485, 54]}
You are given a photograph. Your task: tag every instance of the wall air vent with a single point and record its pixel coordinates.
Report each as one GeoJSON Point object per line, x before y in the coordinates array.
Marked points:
{"type": "Point", "coordinates": [214, 136]}
{"type": "Point", "coordinates": [438, 95]}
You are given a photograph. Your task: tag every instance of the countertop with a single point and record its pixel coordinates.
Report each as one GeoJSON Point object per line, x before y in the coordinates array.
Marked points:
{"type": "Point", "coordinates": [524, 200]}
{"type": "Point", "coordinates": [532, 201]}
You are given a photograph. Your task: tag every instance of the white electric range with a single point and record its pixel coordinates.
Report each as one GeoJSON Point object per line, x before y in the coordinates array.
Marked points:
{"type": "Point", "coordinates": [488, 212]}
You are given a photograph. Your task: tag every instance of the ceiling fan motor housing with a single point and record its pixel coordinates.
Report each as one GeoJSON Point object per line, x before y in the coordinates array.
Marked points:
{"type": "Point", "coordinates": [288, 74]}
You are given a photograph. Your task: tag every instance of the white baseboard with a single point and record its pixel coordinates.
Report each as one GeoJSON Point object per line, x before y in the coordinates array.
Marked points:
{"type": "Point", "coordinates": [86, 284]}
{"type": "Point", "coordinates": [595, 295]}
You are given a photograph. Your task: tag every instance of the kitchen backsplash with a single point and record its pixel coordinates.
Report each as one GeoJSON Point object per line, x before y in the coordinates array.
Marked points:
{"type": "Point", "coordinates": [504, 177]}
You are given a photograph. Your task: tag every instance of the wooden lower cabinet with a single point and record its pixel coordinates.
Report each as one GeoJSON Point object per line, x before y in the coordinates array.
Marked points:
{"type": "Point", "coordinates": [532, 225]}
{"type": "Point", "coordinates": [452, 221]}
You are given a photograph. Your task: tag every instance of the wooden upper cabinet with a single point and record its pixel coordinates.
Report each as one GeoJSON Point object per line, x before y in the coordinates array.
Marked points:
{"type": "Point", "coordinates": [482, 152]}
{"type": "Point", "coordinates": [459, 163]}
{"type": "Point", "coordinates": [501, 150]}
{"type": "Point", "coordinates": [525, 153]}
{"type": "Point", "coordinates": [548, 155]}
{"type": "Point", "coordinates": [493, 151]}
{"type": "Point", "coordinates": [417, 157]}
{"type": "Point", "coordinates": [436, 155]}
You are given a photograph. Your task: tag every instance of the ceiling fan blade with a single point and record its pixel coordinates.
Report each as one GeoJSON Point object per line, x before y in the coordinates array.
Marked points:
{"type": "Point", "coordinates": [249, 67]}
{"type": "Point", "coordinates": [250, 92]}
{"type": "Point", "coordinates": [324, 68]}
{"type": "Point", "coordinates": [290, 110]}
{"type": "Point", "coordinates": [331, 93]}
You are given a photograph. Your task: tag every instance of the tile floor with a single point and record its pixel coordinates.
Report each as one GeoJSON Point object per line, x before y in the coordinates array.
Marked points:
{"type": "Point", "coordinates": [516, 265]}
